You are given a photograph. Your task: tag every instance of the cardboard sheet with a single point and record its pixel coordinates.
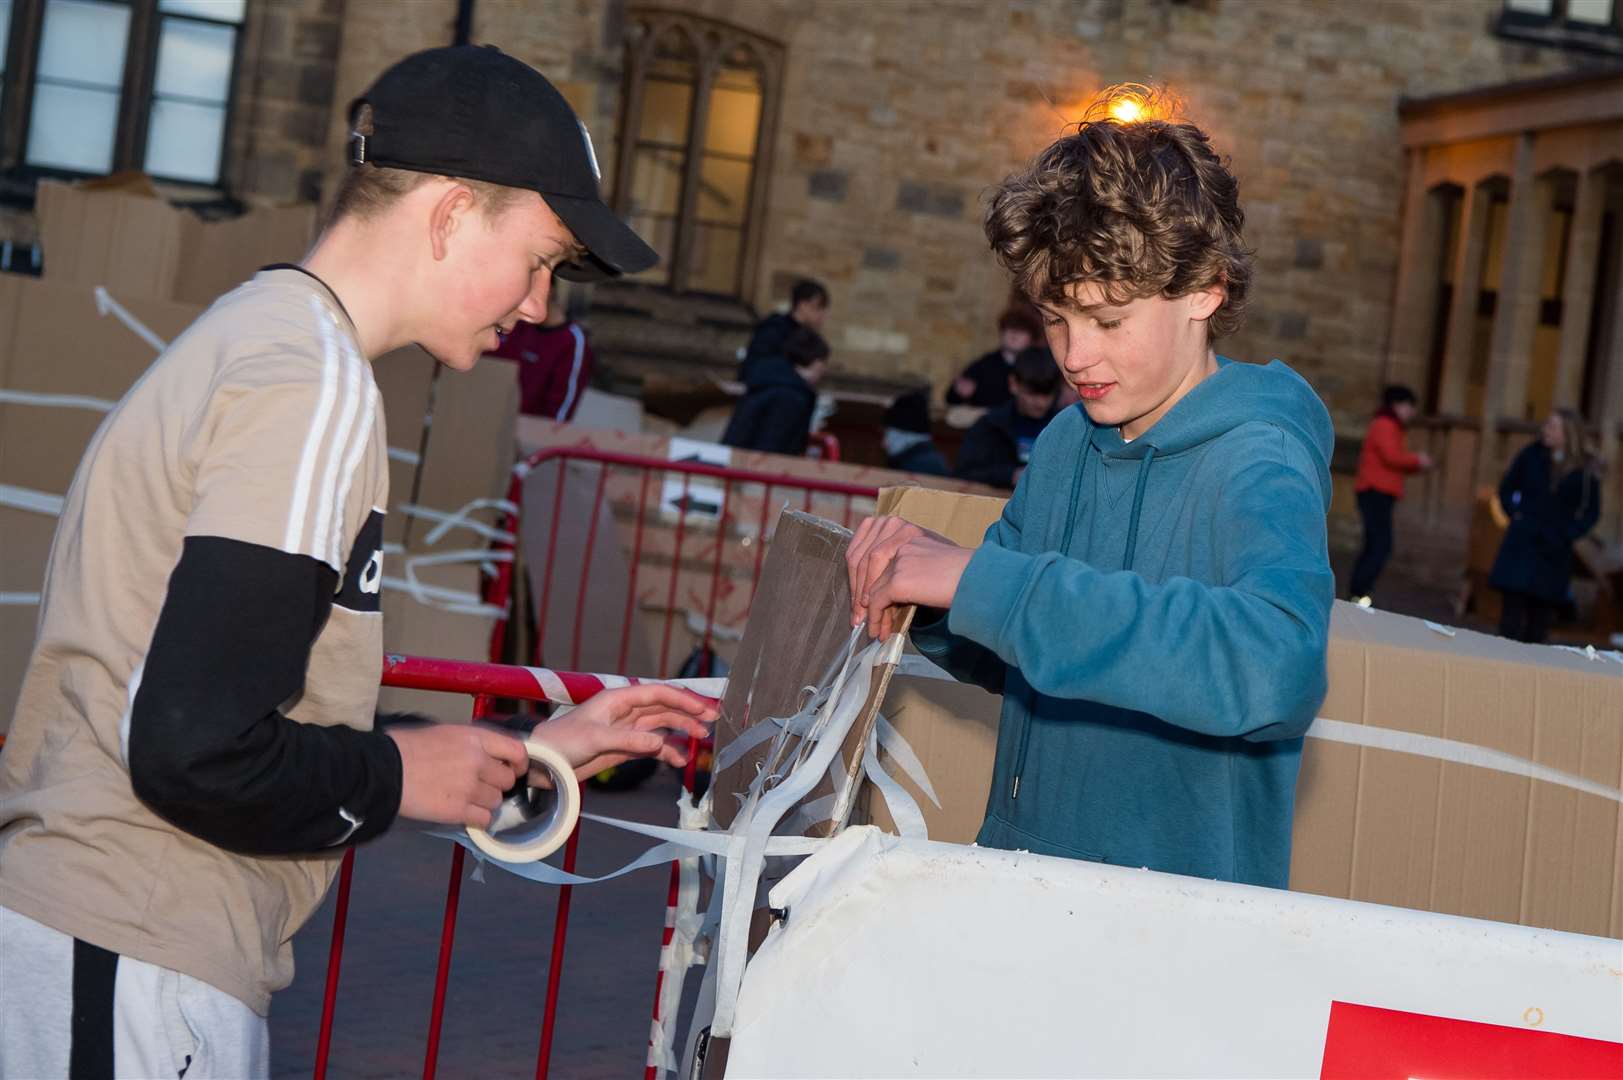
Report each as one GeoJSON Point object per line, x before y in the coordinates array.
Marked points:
{"type": "Point", "coordinates": [120, 234]}
{"type": "Point", "coordinates": [801, 623]}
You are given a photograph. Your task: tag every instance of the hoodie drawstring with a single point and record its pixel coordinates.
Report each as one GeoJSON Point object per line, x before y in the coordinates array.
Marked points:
{"type": "Point", "coordinates": [1138, 504]}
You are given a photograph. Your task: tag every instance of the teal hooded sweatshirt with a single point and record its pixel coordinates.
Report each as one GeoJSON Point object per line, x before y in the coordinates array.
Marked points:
{"type": "Point", "coordinates": [1155, 614]}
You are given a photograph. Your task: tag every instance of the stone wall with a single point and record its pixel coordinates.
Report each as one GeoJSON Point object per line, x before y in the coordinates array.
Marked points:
{"type": "Point", "coordinates": [898, 115]}
{"type": "Point", "coordinates": [285, 82]}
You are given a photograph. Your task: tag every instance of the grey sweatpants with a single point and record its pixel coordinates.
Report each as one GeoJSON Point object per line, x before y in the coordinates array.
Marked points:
{"type": "Point", "coordinates": [68, 1007]}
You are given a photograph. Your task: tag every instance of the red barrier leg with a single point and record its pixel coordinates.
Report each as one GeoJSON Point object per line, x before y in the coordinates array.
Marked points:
{"type": "Point", "coordinates": [555, 969]}
{"type": "Point", "coordinates": [335, 957]}
{"type": "Point", "coordinates": [447, 936]}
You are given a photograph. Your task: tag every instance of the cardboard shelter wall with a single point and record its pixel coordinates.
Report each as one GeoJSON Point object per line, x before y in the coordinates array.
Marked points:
{"type": "Point", "coordinates": [118, 233]}
{"type": "Point", "coordinates": [40, 445]}
{"type": "Point", "coordinates": [1371, 824]}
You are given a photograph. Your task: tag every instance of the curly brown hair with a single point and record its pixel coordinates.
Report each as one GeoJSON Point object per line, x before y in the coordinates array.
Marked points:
{"type": "Point", "coordinates": [1142, 207]}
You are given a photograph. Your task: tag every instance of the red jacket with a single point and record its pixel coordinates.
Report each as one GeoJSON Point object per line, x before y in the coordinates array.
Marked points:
{"type": "Point", "coordinates": [1385, 459]}
{"type": "Point", "coordinates": [554, 367]}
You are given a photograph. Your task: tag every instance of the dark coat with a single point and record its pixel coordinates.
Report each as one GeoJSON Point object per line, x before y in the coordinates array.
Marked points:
{"type": "Point", "coordinates": [766, 341]}
{"type": "Point", "coordinates": [922, 458]}
{"type": "Point", "coordinates": [775, 413]}
{"type": "Point", "coordinates": [1536, 555]}
{"type": "Point", "coordinates": [991, 377]}
{"type": "Point", "coordinates": [991, 449]}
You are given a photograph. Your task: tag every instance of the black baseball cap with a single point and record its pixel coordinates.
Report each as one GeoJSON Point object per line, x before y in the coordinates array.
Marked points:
{"type": "Point", "coordinates": [472, 111]}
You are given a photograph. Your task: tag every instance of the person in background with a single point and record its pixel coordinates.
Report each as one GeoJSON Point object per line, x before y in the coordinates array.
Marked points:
{"type": "Point", "coordinates": [985, 383]}
{"type": "Point", "coordinates": [908, 446]}
{"type": "Point", "coordinates": [1551, 493]}
{"type": "Point", "coordinates": [554, 362]}
{"type": "Point", "coordinates": [1383, 464]}
{"type": "Point", "coordinates": [780, 401]}
{"type": "Point", "coordinates": [808, 308]}
{"type": "Point", "coordinates": [996, 449]}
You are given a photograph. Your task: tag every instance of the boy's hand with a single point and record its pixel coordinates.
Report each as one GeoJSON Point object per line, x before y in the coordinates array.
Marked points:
{"type": "Point", "coordinates": [893, 562]}
{"type": "Point", "coordinates": [455, 774]}
{"type": "Point", "coordinates": [617, 725]}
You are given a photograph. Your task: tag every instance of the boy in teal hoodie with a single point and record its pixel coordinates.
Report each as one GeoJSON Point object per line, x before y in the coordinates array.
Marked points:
{"type": "Point", "coordinates": [1154, 603]}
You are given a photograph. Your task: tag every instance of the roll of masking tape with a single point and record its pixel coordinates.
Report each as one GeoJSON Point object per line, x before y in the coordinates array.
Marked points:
{"type": "Point", "coordinates": [561, 822]}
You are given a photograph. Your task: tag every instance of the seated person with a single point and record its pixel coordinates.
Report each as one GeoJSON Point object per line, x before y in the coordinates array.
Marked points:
{"type": "Point", "coordinates": [808, 307]}
{"type": "Point", "coordinates": [908, 447]}
{"type": "Point", "coordinates": [985, 383]}
{"type": "Point", "coordinates": [996, 449]}
{"type": "Point", "coordinates": [554, 361]}
{"type": "Point", "coordinates": [780, 400]}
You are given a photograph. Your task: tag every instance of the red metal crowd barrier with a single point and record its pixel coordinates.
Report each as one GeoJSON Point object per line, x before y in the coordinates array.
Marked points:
{"type": "Point", "coordinates": [486, 682]}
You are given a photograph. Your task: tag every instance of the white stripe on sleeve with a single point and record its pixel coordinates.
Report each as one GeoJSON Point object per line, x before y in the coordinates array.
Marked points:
{"type": "Point", "coordinates": [357, 447]}
{"type": "Point", "coordinates": [312, 439]}
{"type": "Point", "coordinates": [327, 491]}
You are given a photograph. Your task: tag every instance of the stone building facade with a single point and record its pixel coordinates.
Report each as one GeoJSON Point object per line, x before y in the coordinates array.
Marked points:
{"type": "Point", "coordinates": [879, 126]}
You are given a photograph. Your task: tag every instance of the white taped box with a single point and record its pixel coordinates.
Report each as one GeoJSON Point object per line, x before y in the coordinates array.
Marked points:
{"type": "Point", "coordinates": [911, 958]}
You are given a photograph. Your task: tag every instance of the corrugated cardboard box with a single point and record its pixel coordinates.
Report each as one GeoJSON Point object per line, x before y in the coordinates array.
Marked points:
{"type": "Point", "coordinates": [119, 233]}
{"type": "Point", "coordinates": [414, 628]}
{"type": "Point", "coordinates": [405, 379]}
{"type": "Point", "coordinates": [1478, 837]}
{"type": "Point", "coordinates": [66, 359]}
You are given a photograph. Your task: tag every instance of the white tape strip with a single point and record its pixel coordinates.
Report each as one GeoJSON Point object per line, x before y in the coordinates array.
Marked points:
{"type": "Point", "coordinates": [1430, 746]}
{"type": "Point", "coordinates": [57, 401]}
{"type": "Point", "coordinates": [39, 502]}
{"type": "Point", "coordinates": [903, 810]}
{"type": "Point", "coordinates": [19, 599]}
{"type": "Point", "coordinates": [410, 457]}
{"type": "Point", "coordinates": [462, 518]}
{"type": "Point", "coordinates": [761, 814]}
{"type": "Point", "coordinates": [106, 305]}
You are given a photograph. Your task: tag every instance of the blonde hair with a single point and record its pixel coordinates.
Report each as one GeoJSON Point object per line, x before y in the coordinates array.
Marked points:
{"type": "Point", "coordinates": [368, 190]}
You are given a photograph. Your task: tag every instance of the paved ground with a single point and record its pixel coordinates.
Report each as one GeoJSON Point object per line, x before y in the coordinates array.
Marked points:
{"type": "Point", "coordinates": [498, 976]}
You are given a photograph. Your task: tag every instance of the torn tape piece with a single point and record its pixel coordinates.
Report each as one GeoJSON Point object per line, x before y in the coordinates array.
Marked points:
{"type": "Point", "coordinates": [892, 743]}
{"type": "Point", "coordinates": [462, 518]}
{"type": "Point", "coordinates": [40, 502]}
{"type": "Point", "coordinates": [1439, 749]}
{"type": "Point", "coordinates": [921, 667]}
{"type": "Point", "coordinates": [59, 401]}
{"type": "Point", "coordinates": [106, 305]}
{"type": "Point", "coordinates": [903, 810]}
{"type": "Point", "coordinates": [455, 601]}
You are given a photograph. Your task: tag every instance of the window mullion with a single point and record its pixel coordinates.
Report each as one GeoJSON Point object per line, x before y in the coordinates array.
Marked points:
{"type": "Point", "coordinates": [22, 60]}
{"type": "Point", "coordinates": [686, 225]}
{"type": "Point", "coordinates": [135, 100]}
{"type": "Point", "coordinates": [630, 125]}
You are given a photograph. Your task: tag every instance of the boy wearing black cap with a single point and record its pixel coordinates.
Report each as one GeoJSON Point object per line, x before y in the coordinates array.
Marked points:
{"type": "Point", "coordinates": [193, 746]}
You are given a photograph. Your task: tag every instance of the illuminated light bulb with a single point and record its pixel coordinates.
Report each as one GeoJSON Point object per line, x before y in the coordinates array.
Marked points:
{"type": "Point", "coordinates": [1127, 109]}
